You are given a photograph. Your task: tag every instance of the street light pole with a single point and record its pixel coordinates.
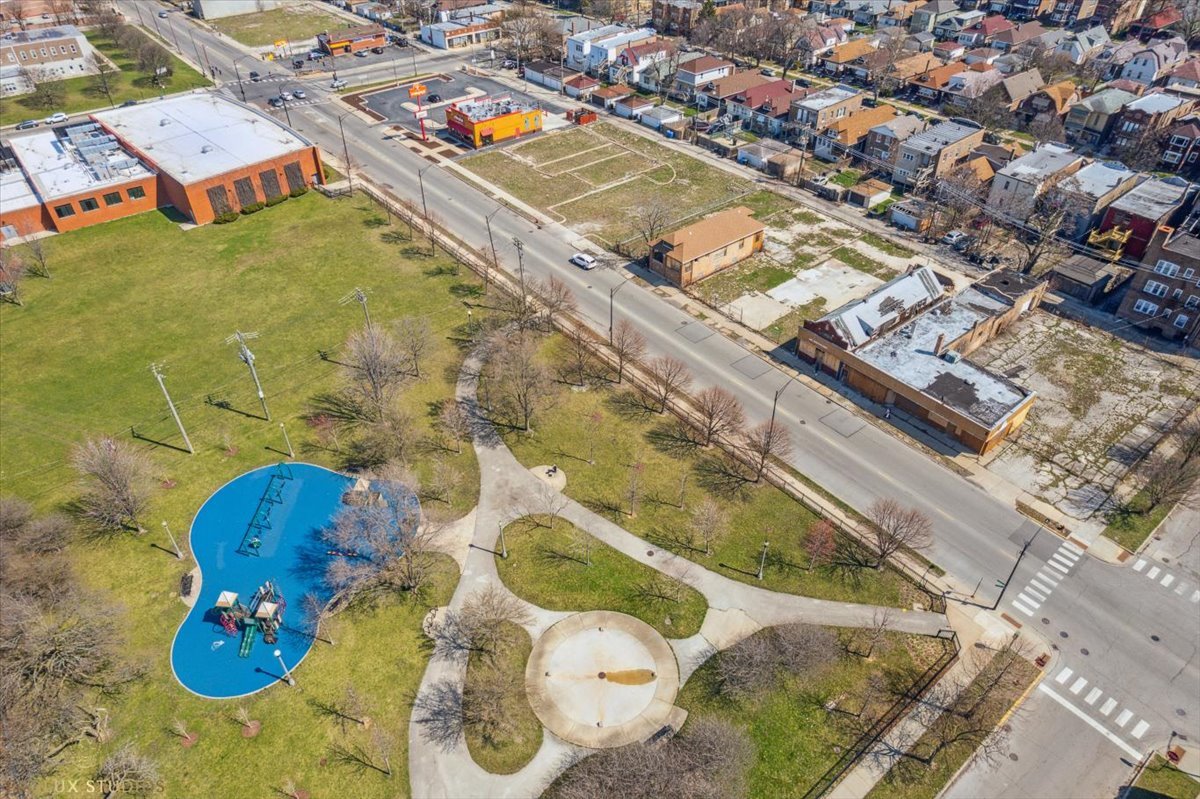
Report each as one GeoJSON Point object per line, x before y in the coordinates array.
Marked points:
{"type": "Point", "coordinates": [503, 546]}
{"type": "Point", "coordinates": [611, 294]}
{"type": "Point", "coordinates": [762, 561]}
{"type": "Point", "coordinates": [287, 441]}
{"type": "Point", "coordinates": [175, 546]}
{"type": "Point", "coordinates": [238, 72]}
{"type": "Point", "coordinates": [346, 151]}
{"type": "Point", "coordinates": [487, 272]}
{"type": "Point", "coordinates": [775, 402]}
{"type": "Point", "coordinates": [287, 675]}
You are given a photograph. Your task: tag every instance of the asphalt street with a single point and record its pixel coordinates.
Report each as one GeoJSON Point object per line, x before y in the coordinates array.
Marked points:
{"type": "Point", "coordinates": [1126, 634]}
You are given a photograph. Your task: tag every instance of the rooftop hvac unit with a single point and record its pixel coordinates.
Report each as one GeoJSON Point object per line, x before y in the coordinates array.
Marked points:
{"type": "Point", "coordinates": [162, 123]}
{"type": "Point", "coordinates": [950, 356]}
{"type": "Point", "coordinates": [208, 148]}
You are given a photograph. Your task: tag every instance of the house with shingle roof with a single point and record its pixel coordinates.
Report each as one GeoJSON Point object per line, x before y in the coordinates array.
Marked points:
{"type": "Point", "coordinates": [764, 108]}
{"type": "Point", "coordinates": [984, 31]}
{"type": "Point", "coordinates": [1090, 120]}
{"type": "Point", "coordinates": [1151, 63]}
{"type": "Point", "coordinates": [840, 57]}
{"type": "Point", "coordinates": [929, 86]}
{"type": "Point", "coordinates": [1081, 45]}
{"type": "Point", "coordinates": [714, 94]}
{"type": "Point", "coordinates": [1186, 75]}
{"type": "Point", "coordinates": [1016, 88]}
{"type": "Point", "coordinates": [706, 247]}
{"type": "Point", "coordinates": [850, 132]}
{"type": "Point", "coordinates": [1009, 40]}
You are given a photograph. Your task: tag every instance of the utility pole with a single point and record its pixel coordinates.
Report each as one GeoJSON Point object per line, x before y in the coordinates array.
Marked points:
{"type": "Point", "coordinates": [157, 371]}
{"type": "Point", "coordinates": [247, 358]}
{"type": "Point", "coordinates": [495, 260]}
{"type": "Point", "coordinates": [520, 245]}
{"type": "Point", "coordinates": [359, 296]}
{"type": "Point", "coordinates": [345, 150]}
{"type": "Point", "coordinates": [775, 402]}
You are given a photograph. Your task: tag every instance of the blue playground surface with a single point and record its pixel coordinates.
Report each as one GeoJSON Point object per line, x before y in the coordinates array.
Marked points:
{"type": "Point", "coordinates": [259, 538]}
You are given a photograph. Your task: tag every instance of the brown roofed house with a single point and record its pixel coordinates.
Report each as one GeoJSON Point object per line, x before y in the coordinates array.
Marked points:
{"type": "Point", "coordinates": [706, 247]}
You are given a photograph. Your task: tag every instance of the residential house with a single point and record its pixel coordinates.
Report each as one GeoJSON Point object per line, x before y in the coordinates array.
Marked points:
{"type": "Point", "coordinates": [950, 50]}
{"type": "Point", "coordinates": [1049, 102]}
{"type": "Point", "coordinates": [906, 345]}
{"type": "Point", "coordinates": [929, 155]}
{"type": "Point", "coordinates": [899, 15]}
{"type": "Point", "coordinates": [1156, 24]}
{"type": "Point", "coordinates": [1017, 88]}
{"type": "Point", "coordinates": [1091, 119]}
{"type": "Point", "coordinates": [817, 42]}
{"type": "Point", "coordinates": [1118, 15]}
{"type": "Point", "coordinates": [821, 109]}
{"type": "Point", "coordinates": [1155, 61]}
{"type": "Point", "coordinates": [660, 76]}
{"type": "Point", "coordinates": [1069, 13]}
{"type": "Point", "coordinates": [882, 145]}
{"type": "Point", "coordinates": [550, 74]}
{"type": "Point", "coordinates": [981, 55]}
{"type": "Point", "coordinates": [1152, 204]}
{"type": "Point", "coordinates": [1078, 47]}
{"type": "Point", "coordinates": [715, 93]}
{"type": "Point", "coordinates": [702, 71]}
{"type": "Point", "coordinates": [846, 136]}
{"type": "Point", "coordinates": [580, 87]}
{"type": "Point", "coordinates": [1186, 75]}
{"type": "Point", "coordinates": [1090, 191]}
{"type": "Point", "coordinates": [1164, 296]}
{"type": "Point", "coordinates": [633, 60]}
{"type": "Point", "coordinates": [1113, 57]}
{"type": "Point", "coordinates": [593, 50]}
{"type": "Point", "coordinates": [928, 16]}
{"type": "Point", "coordinates": [956, 23]}
{"type": "Point", "coordinates": [706, 247]}
{"type": "Point", "coordinates": [969, 85]}
{"type": "Point", "coordinates": [910, 66]}
{"type": "Point", "coordinates": [1181, 148]}
{"type": "Point", "coordinates": [679, 17]}
{"type": "Point", "coordinates": [765, 108]}
{"type": "Point", "coordinates": [1017, 186]}
{"type": "Point", "coordinates": [840, 57]}
{"type": "Point", "coordinates": [997, 155]}
{"type": "Point", "coordinates": [607, 97]}
{"type": "Point", "coordinates": [632, 107]}
{"type": "Point", "coordinates": [1018, 36]}
{"type": "Point", "coordinates": [921, 42]}
{"type": "Point", "coordinates": [759, 154]}
{"type": "Point", "coordinates": [983, 31]}
{"type": "Point", "coordinates": [928, 87]}
{"type": "Point", "coordinates": [1147, 117]}
{"type": "Point", "coordinates": [1086, 279]}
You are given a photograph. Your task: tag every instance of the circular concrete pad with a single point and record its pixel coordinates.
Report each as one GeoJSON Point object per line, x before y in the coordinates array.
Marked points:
{"type": "Point", "coordinates": [602, 679]}
{"type": "Point", "coordinates": [552, 475]}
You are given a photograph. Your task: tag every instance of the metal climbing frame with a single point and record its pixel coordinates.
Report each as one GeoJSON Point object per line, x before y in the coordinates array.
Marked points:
{"type": "Point", "coordinates": [260, 522]}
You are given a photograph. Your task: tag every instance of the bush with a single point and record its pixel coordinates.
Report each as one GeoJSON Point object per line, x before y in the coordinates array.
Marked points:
{"type": "Point", "coordinates": [253, 208]}
{"type": "Point", "coordinates": [276, 200]}
{"type": "Point", "coordinates": [298, 192]}
{"type": "Point", "coordinates": [226, 218]}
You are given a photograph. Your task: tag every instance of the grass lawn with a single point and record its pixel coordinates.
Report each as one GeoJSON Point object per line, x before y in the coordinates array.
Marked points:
{"type": "Point", "coordinates": [863, 263]}
{"type": "Point", "coordinates": [267, 27]}
{"type": "Point", "coordinates": [616, 166]}
{"type": "Point", "coordinates": [603, 425]}
{"type": "Point", "coordinates": [796, 740]}
{"type": "Point", "coordinates": [82, 93]}
{"type": "Point", "coordinates": [686, 185]}
{"type": "Point", "coordinates": [847, 178]}
{"type": "Point", "coordinates": [983, 707]}
{"type": "Point", "coordinates": [75, 363]}
{"type": "Point", "coordinates": [784, 329]}
{"type": "Point", "coordinates": [758, 273]}
{"type": "Point", "coordinates": [1160, 778]}
{"type": "Point", "coordinates": [548, 566]}
{"type": "Point", "coordinates": [1131, 526]}
{"type": "Point", "coordinates": [507, 753]}
{"type": "Point", "coordinates": [885, 246]}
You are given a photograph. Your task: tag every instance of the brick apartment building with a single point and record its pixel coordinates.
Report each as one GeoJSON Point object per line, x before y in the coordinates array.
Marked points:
{"type": "Point", "coordinates": [1164, 295]}
{"type": "Point", "coordinates": [28, 57]}
{"type": "Point", "coordinates": [933, 153]}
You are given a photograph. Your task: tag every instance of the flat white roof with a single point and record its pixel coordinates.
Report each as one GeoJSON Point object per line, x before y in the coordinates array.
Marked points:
{"type": "Point", "coordinates": [15, 191]}
{"type": "Point", "coordinates": [56, 167]}
{"type": "Point", "coordinates": [194, 137]}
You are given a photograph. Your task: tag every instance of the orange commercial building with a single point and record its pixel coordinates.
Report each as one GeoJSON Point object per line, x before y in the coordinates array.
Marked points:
{"type": "Point", "coordinates": [203, 154]}
{"type": "Point", "coordinates": [353, 39]}
{"type": "Point", "coordinates": [487, 120]}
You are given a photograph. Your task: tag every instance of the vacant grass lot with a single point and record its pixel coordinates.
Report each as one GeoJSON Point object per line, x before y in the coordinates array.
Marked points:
{"type": "Point", "coordinates": [758, 273]}
{"type": "Point", "coordinates": [687, 186]}
{"type": "Point", "coordinates": [981, 705]}
{"type": "Point", "coordinates": [606, 426]}
{"type": "Point", "coordinates": [548, 566]}
{"type": "Point", "coordinates": [508, 751]}
{"type": "Point", "coordinates": [294, 24]}
{"type": "Point", "coordinates": [863, 263]}
{"type": "Point", "coordinates": [796, 739]}
{"type": "Point", "coordinates": [1133, 523]}
{"type": "Point", "coordinates": [75, 363]}
{"type": "Point", "coordinates": [83, 94]}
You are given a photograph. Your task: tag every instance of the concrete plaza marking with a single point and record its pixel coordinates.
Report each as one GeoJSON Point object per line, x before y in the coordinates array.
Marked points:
{"type": "Point", "coordinates": [1124, 747]}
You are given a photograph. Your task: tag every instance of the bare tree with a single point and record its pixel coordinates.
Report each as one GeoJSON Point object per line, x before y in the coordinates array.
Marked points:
{"type": "Point", "coordinates": [895, 527]}
{"type": "Point", "coordinates": [820, 543]}
{"type": "Point", "coordinates": [1167, 480]}
{"type": "Point", "coordinates": [478, 627]}
{"type": "Point", "coordinates": [756, 663]}
{"type": "Point", "coordinates": [633, 491]}
{"type": "Point", "coordinates": [766, 441]}
{"type": "Point", "coordinates": [376, 365]}
{"type": "Point", "coordinates": [47, 93]}
{"type": "Point", "coordinates": [544, 507]}
{"type": "Point", "coordinates": [454, 421]}
{"type": "Point", "coordinates": [1035, 226]}
{"type": "Point", "coordinates": [556, 297]}
{"type": "Point", "coordinates": [650, 221]}
{"type": "Point", "coordinates": [39, 257]}
{"type": "Point", "coordinates": [1187, 440]}
{"type": "Point", "coordinates": [382, 543]}
{"type": "Point", "coordinates": [117, 483]}
{"type": "Point", "coordinates": [960, 192]}
{"type": "Point", "coordinates": [519, 383]}
{"type": "Point", "coordinates": [628, 344]}
{"type": "Point", "coordinates": [881, 621]}
{"type": "Point", "coordinates": [578, 356]}
{"type": "Point", "coordinates": [12, 275]}
{"type": "Point", "coordinates": [710, 521]}
{"type": "Point", "coordinates": [136, 773]}
{"type": "Point", "coordinates": [444, 481]}
{"type": "Point", "coordinates": [389, 437]}
{"type": "Point", "coordinates": [528, 32]}
{"type": "Point", "coordinates": [668, 377]}
{"type": "Point", "coordinates": [104, 73]}
{"type": "Point", "coordinates": [708, 759]}
{"type": "Point", "coordinates": [414, 336]}
{"type": "Point", "coordinates": [720, 414]}
{"type": "Point", "coordinates": [109, 23]}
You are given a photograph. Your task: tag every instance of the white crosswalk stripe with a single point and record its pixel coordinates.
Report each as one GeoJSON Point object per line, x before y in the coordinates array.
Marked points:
{"type": "Point", "coordinates": [1067, 545]}
{"type": "Point", "coordinates": [1196, 596]}
{"type": "Point", "coordinates": [1078, 685]}
{"type": "Point", "coordinates": [1153, 573]}
{"type": "Point", "coordinates": [1038, 595]}
{"type": "Point", "coordinates": [1182, 588]}
{"type": "Point", "coordinates": [1166, 581]}
{"type": "Point", "coordinates": [1124, 718]}
{"type": "Point", "coordinates": [1028, 600]}
{"type": "Point", "coordinates": [1058, 566]}
{"type": "Point", "coordinates": [1109, 705]}
{"type": "Point", "coordinates": [1059, 559]}
{"type": "Point", "coordinates": [1023, 608]}
{"type": "Point", "coordinates": [1045, 589]}
{"type": "Point", "coordinates": [1139, 730]}
{"type": "Point", "coordinates": [1064, 675]}
{"type": "Point", "coordinates": [1093, 695]}
{"type": "Point", "coordinates": [1068, 554]}
{"type": "Point", "coordinates": [1141, 564]}
{"type": "Point", "coordinates": [1049, 576]}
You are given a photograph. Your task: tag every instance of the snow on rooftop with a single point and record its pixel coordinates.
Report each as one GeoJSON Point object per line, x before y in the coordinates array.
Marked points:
{"type": "Point", "coordinates": [194, 137]}
{"type": "Point", "coordinates": [907, 354]}
{"type": "Point", "coordinates": [65, 161]}
{"type": "Point", "coordinates": [1157, 103]}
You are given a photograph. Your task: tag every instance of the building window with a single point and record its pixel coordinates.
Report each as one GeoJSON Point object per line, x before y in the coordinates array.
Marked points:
{"type": "Point", "coordinates": [53, 51]}
{"type": "Point", "coordinates": [1155, 288]}
{"type": "Point", "coordinates": [1188, 273]}
{"type": "Point", "coordinates": [89, 204]}
{"type": "Point", "coordinates": [1176, 294]}
{"type": "Point", "coordinates": [64, 211]}
{"type": "Point", "coordinates": [43, 52]}
{"type": "Point", "coordinates": [136, 193]}
{"type": "Point", "coordinates": [1144, 307]}
{"type": "Point", "coordinates": [1167, 268]}
{"type": "Point", "coordinates": [1182, 320]}
{"type": "Point", "coordinates": [113, 198]}
{"type": "Point", "coordinates": [1192, 302]}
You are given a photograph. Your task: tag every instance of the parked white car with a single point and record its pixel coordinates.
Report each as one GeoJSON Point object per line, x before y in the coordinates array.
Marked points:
{"type": "Point", "coordinates": [953, 237]}
{"type": "Point", "coordinates": [583, 260]}
{"type": "Point", "coordinates": [54, 119]}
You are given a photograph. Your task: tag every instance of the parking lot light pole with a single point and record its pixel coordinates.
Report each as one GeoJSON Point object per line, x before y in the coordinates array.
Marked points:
{"type": "Point", "coordinates": [287, 675]}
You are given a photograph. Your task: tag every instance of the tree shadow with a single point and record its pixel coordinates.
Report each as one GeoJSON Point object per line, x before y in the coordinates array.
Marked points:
{"type": "Point", "coordinates": [723, 477]}
{"type": "Point", "coordinates": [375, 221]}
{"type": "Point", "coordinates": [395, 237]}
{"type": "Point", "coordinates": [605, 507]}
{"type": "Point", "coordinates": [631, 405]}
{"type": "Point", "coordinates": [554, 557]}
{"type": "Point", "coordinates": [338, 406]}
{"type": "Point", "coordinates": [466, 290]}
{"type": "Point", "coordinates": [673, 438]}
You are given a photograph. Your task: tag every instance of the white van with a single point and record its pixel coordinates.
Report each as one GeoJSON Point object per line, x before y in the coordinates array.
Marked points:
{"type": "Point", "coordinates": [340, 83]}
